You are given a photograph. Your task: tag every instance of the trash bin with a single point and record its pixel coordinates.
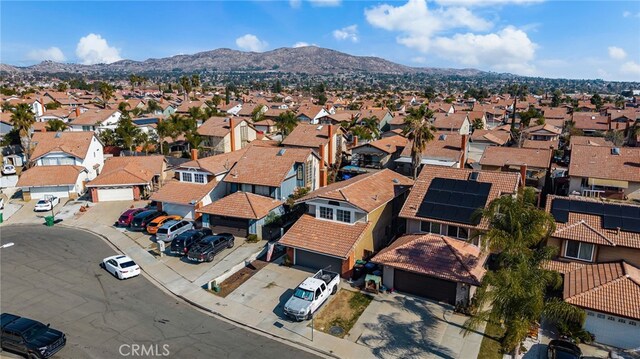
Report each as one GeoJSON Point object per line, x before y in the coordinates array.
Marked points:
{"type": "Point", "coordinates": [1, 217]}
{"type": "Point", "coordinates": [358, 270]}
{"type": "Point", "coordinates": [48, 220]}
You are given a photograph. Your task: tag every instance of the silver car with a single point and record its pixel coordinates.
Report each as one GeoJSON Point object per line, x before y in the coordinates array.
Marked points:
{"type": "Point", "coordinates": [172, 229]}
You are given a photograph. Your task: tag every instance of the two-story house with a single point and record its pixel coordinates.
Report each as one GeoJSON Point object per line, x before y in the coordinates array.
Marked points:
{"type": "Point", "coordinates": [446, 149]}
{"type": "Point", "coordinates": [452, 123]}
{"type": "Point", "coordinates": [531, 162]}
{"type": "Point", "coordinates": [347, 221]}
{"type": "Point", "coordinates": [445, 265]}
{"type": "Point", "coordinates": [218, 137]}
{"type": "Point", "coordinates": [313, 113]}
{"type": "Point", "coordinates": [542, 136]}
{"type": "Point", "coordinates": [329, 137]}
{"type": "Point", "coordinates": [380, 153]}
{"type": "Point", "coordinates": [62, 163]}
{"type": "Point", "coordinates": [196, 184]}
{"type": "Point", "coordinates": [95, 120]}
{"type": "Point", "coordinates": [598, 246]}
{"type": "Point", "coordinates": [602, 171]}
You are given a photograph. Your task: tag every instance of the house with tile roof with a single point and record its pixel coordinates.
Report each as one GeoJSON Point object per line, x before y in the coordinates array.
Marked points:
{"type": "Point", "coordinates": [532, 163]}
{"type": "Point", "coordinates": [196, 184]}
{"type": "Point", "coordinates": [380, 153]}
{"type": "Point", "coordinates": [606, 172]}
{"type": "Point", "coordinates": [217, 136]}
{"type": "Point", "coordinates": [590, 122]}
{"type": "Point", "coordinates": [347, 221]}
{"type": "Point", "coordinates": [96, 120]}
{"type": "Point", "coordinates": [313, 113]}
{"type": "Point", "coordinates": [452, 123]}
{"type": "Point", "coordinates": [544, 132]}
{"type": "Point", "coordinates": [446, 149]}
{"type": "Point", "coordinates": [481, 139]}
{"type": "Point", "coordinates": [126, 178]}
{"type": "Point", "coordinates": [433, 266]}
{"type": "Point", "coordinates": [329, 137]}
{"type": "Point", "coordinates": [240, 213]}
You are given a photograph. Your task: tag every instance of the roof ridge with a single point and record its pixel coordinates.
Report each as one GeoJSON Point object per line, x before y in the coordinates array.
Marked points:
{"type": "Point", "coordinates": [458, 257]}
{"type": "Point", "coordinates": [246, 196]}
{"type": "Point", "coordinates": [597, 288]}
{"type": "Point", "coordinates": [583, 222]}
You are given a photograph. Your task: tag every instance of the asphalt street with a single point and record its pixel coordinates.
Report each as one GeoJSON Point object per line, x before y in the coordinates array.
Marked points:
{"type": "Point", "coordinates": [53, 275]}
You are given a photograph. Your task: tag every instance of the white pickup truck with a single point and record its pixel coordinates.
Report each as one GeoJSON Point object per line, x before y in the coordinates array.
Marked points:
{"type": "Point", "coordinates": [311, 294]}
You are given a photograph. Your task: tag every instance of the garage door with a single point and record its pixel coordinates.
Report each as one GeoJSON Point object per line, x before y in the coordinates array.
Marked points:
{"type": "Point", "coordinates": [184, 211]}
{"type": "Point", "coordinates": [58, 191]}
{"type": "Point", "coordinates": [611, 330]}
{"type": "Point", "coordinates": [239, 227]}
{"type": "Point", "coordinates": [428, 287]}
{"type": "Point", "coordinates": [317, 261]}
{"type": "Point", "coordinates": [115, 194]}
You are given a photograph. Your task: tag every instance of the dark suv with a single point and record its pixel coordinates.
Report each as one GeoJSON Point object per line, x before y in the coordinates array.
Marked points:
{"type": "Point", "coordinates": [181, 244]}
{"type": "Point", "coordinates": [29, 337]}
{"type": "Point", "coordinates": [207, 248]}
{"type": "Point", "coordinates": [142, 219]}
{"type": "Point", "coordinates": [562, 349]}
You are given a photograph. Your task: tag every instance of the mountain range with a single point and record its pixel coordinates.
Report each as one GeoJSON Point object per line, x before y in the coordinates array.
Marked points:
{"type": "Point", "coordinates": [308, 59]}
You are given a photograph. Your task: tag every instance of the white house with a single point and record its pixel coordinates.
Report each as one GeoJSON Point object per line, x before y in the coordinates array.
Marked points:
{"type": "Point", "coordinates": [96, 120]}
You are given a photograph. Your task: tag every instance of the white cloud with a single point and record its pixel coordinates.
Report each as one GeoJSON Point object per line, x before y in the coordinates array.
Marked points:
{"type": "Point", "coordinates": [303, 44]}
{"type": "Point", "coordinates": [423, 29]}
{"type": "Point", "coordinates": [93, 49]}
{"type": "Point", "coordinates": [419, 60]}
{"type": "Point", "coordinates": [251, 42]}
{"type": "Point", "coordinates": [617, 53]}
{"type": "Point", "coordinates": [631, 68]}
{"type": "Point", "coordinates": [317, 3]}
{"type": "Point", "coordinates": [295, 3]}
{"type": "Point", "coordinates": [53, 53]}
{"type": "Point", "coordinates": [630, 14]}
{"type": "Point", "coordinates": [347, 33]}
{"type": "Point", "coordinates": [470, 3]}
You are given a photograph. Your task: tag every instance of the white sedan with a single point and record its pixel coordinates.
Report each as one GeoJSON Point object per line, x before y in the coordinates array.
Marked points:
{"type": "Point", "coordinates": [47, 203]}
{"type": "Point", "coordinates": [8, 169]}
{"type": "Point", "coordinates": [121, 266]}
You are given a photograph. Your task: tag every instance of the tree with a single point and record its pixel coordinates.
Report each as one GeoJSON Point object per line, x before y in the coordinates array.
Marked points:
{"type": "Point", "coordinates": [420, 131]}
{"type": "Point", "coordinates": [216, 100]}
{"type": "Point", "coordinates": [257, 114]}
{"type": "Point", "coordinates": [619, 102]}
{"type": "Point", "coordinates": [615, 137]}
{"type": "Point", "coordinates": [518, 91]}
{"type": "Point", "coordinates": [596, 100]}
{"type": "Point", "coordinates": [56, 125]}
{"type": "Point", "coordinates": [556, 98]}
{"type": "Point", "coordinates": [277, 87]}
{"type": "Point", "coordinates": [195, 82]}
{"type": "Point", "coordinates": [526, 116]}
{"type": "Point", "coordinates": [134, 80]}
{"type": "Point", "coordinates": [429, 93]}
{"type": "Point", "coordinates": [164, 129]}
{"type": "Point", "coordinates": [126, 133]}
{"type": "Point", "coordinates": [62, 86]}
{"type": "Point", "coordinates": [515, 293]}
{"type": "Point", "coordinates": [286, 122]}
{"type": "Point", "coordinates": [23, 118]}
{"type": "Point", "coordinates": [143, 140]}
{"type": "Point", "coordinates": [322, 99]}
{"type": "Point", "coordinates": [108, 137]}
{"type": "Point", "coordinates": [477, 124]}
{"type": "Point", "coordinates": [185, 82]}
{"type": "Point", "coordinates": [106, 92]}
{"type": "Point", "coordinates": [153, 107]}
{"type": "Point", "coordinates": [195, 113]}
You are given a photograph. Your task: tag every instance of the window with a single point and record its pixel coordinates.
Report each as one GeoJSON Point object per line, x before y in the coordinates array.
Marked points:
{"type": "Point", "coordinates": [591, 314]}
{"type": "Point", "coordinates": [600, 316]}
{"type": "Point", "coordinates": [435, 228]}
{"type": "Point", "coordinates": [300, 173]}
{"type": "Point", "coordinates": [620, 320]}
{"type": "Point", "coordinates": [318, 293]}
{"type": "Point", "coordinates": [424, 226]}
{"type": "Point", "coordinates": [631, 322]}
{"type": "Point", "coordinates": [343, 216]}
{"type": "Point", "coordinates": [463, 233]}
{"type": "Point", "coordinates": [308, 180]}
{"type": "Point", "coordinates": [262, 190]}
{"type": "Point", "coordinates": [611, 318]}
{"type": "Point", "coordinates": [430, 227]}
{"type": "Point", "coordinates": [198, 177]}
{"type": "Point", "coordinates": [186, 177]}
{"type": "Point", "coordinates": [452, 231]}
{"type": "Point", "coordinates": [326, 212]}
{"type": "Point", "coordinates": [579, 250]}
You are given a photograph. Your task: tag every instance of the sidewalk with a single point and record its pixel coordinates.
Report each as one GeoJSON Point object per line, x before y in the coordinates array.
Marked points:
{"type": "Point", "coordinates": [193, 293]}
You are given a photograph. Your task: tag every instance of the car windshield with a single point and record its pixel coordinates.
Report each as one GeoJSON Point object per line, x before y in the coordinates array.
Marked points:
{"type": "Point", "coordinates": [561, 354]}
{"type": "Point", "coordinates": [163, 230]}
{"type": "Point", "coordinates": [127, 264]}
{"type": "Point", "coordinates": [42, 201]}
{"type": "Point", "coordinates": [303, 294]}
{"type": "Point", "coordinates": [35, 331]}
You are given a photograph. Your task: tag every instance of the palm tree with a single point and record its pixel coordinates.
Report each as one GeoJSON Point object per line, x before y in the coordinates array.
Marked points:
{"type": "Point", "coordinates": [126, 133]}
{"type": "Point", "coordinates": [369, 126]}
{"type": "Point", "coordinates": [195, 82]}
{"type": "Point", "coordinates": [153, 107]}
{"type": "Point", "coordinates": [518, 92]}
{"type": "Point", "coordinates": [286, 122]}
{"type": "Point", "coordinates": [23, 118]}
{"type": "Point", "coordinates": [106, 92]}
{"type": "Point", "coordinates": [123, 107]}
{"type": "Point", "coordinates": [195, 113]}
{"type": "Point", "coordinates": [108, 137]}
{"type": "Point", "coordinates": [194, 139]}
{"type": "Point", "coordinates": [133, 80]}
{"type": "Point", "coordinates": [144, 140]}
{"type": "Point", "coordinates": [56, 125]}
{"type": "Point", "coordinates": [164, 129]}
{"type": "Point", "coordinates": [419, 131]}
{"type": "Point", "coordinates": [185, 82]}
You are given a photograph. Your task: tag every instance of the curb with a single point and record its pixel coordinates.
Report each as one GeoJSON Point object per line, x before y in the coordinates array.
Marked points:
{"type": "Point", "coordinates": [203, 308]}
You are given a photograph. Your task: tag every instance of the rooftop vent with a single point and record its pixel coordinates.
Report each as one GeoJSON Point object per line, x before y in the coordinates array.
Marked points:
{"type": "Point", "coordinates": [319, 128]}
{"type": "Point", "coordinates": [615, 151]}
{"type": "Point", "coordinates": [473, 176]}
{"type": "Point", "coordinates": [281, 152]}
{"type": "Point", "coordinates": [442, 137]}
{"type": "Point", "coordinates": [593, 117]}
{"type": "Point", "coordinates": [58, 134]}
{"type": "Point", "coordinates": [396, 181]}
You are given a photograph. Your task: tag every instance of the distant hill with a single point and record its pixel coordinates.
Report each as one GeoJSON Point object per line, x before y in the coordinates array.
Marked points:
{"type": "Point", "coordinates": [309, 59]}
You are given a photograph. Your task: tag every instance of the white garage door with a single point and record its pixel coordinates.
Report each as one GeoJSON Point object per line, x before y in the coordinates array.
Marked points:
{"type": "Point", "coordinates": [185, 211]}
{"type": "Point", "coordinates": [58, 191]}
{"type": "Point", "coordinates": [115, 194]}
{"type": "Point", "coordinates": [611, 330]}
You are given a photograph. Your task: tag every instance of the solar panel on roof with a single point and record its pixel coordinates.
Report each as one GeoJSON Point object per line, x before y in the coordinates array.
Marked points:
{"type": "Point", "coordinates": [614, 216]}
{"type": "Point", "coordinates": [454, 200]}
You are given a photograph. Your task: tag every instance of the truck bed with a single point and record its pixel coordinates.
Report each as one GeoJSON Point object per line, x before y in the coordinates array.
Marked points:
{"type": "Point", "coordinates": [325, 276]}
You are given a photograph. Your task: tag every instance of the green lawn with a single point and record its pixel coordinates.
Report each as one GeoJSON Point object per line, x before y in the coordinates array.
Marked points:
{"type": "Point", "coordinates": [490, 347]}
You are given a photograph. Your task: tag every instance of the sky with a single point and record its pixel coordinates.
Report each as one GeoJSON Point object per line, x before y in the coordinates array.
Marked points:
{"type": "Point", "coordinates": [548, 38]}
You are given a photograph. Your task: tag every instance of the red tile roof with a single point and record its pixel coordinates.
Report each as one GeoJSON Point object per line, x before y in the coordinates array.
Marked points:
{"type": "Point", "coordinates": [42, 176]}
{"type": "Point", "coordinates": [92, 117]}
{"type": "Point", "coordinates": [511, 156]}
{"type": "Point", "coordinates": [129, 170]}
{"type": "Point", "coordinates": [437, 256]}
{"type": "Point", "coordinates": [389, 144]}
{"type": "Point", "coordinates": [75, 143]}
{"type": "Point", "coordinates": [306, 135]}
{"type": "Point", "coordinates": [217, 164]}
{"type": "Point", "coordinates": [183, 192]}
{"type": "Point", "coordinates": [599, 162]}
{"type": "Point", "coordinates": [266, 166]}
{"type": "Point", "coordinates": [242, 205]}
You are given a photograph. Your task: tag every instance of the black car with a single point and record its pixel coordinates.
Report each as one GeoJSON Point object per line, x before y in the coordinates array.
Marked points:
{"type": "Point", "coordinates": [140, 221]}
{"type": "Point", "coordinates": [207, 248]}
{"type": "Point", "coordinates": [562, 349]}
{"type": "Point", "coordinates": [181, 244]}
{"type": "Point", "coordinates": [29, 337]}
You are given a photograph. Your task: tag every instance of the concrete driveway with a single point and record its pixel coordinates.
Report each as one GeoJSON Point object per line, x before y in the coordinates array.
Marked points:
{"type": "Point", "coordinates": [23, 212]}
{"type": "Point", "coordinates": [403, 326]}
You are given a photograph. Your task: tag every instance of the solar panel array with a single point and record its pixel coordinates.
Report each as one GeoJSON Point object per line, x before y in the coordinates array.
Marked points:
{"type": "Point", "coordinates": [614, 216]}
{"type": "Point", "coordinates": [454, 200]}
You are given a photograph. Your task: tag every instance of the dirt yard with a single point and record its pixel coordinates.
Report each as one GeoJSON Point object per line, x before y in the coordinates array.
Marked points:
{"type": "Point", "coordinates": [241, 276]}
{"type": "Point", "coordinates": [342, 312]}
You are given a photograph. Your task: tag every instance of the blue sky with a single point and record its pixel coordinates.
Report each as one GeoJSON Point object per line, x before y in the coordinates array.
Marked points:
{"type": "Point", "coordinates": [574, 39]}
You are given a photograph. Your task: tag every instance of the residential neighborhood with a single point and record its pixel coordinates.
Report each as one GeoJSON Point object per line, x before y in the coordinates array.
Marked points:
{"type": "Point", "coordinates": [304, 202]}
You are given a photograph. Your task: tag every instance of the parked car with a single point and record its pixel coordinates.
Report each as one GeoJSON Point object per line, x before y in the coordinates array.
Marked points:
{"type": "Point", "coordinates": [562, 349]}
{"type": "Point", "coordinates": [157, 222]}
{"type": "Point", "coordinates": [182, 242]}
{"type": "Point", "coordinates": [207, 248]}
{"type": "Point", "coordinates": [126, 217]}
{"type": "Point", "coordinates": [1, 203]}
{"type": "Point", "coordinates": [47, 203]}
{"type": "Point", "coordinates": [152, 205]}
{"type": "Point", "coordinates": [121, 266]}
{"type": "Point", "coordinates": [29, 337]}
{"type": "Point", "coordinates": [8, 169]}
{"type": "Point", "coordinates": [311, 294]}
{"type": "Point", "coordinates": [169, 230]}
{"type": "Point", "coordinates": [142, 219]}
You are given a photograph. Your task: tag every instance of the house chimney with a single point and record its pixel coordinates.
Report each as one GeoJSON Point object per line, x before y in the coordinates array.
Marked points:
{"type": "Point", "coordinates": [355, 141]}
{"type": "Point", "coordinates": [194, 154]}
{"type": "Point", "coordinates": [232, 134]}
{"type": "Point", "coordinates": [463, 150]}
{"type": "Point", "coordinates": [332, 152]}
{"type": "Point", "coordinates": [609, 121]}
{"type": "Point", "coordinates": [323, 169]}
{"type": "Point", "coordinates": [77, 112]}
{"type": "Point", "coordinates": [523, 174]}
